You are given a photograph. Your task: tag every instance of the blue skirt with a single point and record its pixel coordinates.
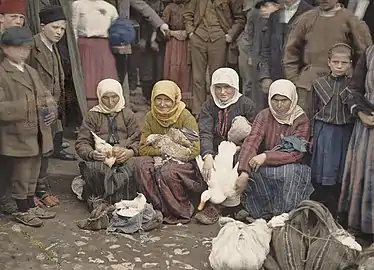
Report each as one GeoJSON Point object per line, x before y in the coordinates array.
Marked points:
{"type": "Point", "coordinates": [329, 151]}
{"type": "Point", "coordinates": [275, 190]}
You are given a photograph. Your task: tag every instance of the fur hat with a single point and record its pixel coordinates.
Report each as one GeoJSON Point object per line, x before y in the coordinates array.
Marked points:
{"type": "Point", "coordinates": [51, 14]}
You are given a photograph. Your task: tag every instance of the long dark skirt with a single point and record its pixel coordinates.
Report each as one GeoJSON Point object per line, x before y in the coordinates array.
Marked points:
{"type": "Point", "coordinates": [170, 188]}
{"type": "Point", "coordinates": [98, 63]}
{"type": "Point", "coordinates": [111, 184]}
{"type": "Point", "coordinates": [329, 152]}
{"type": "Point", "coordinates": [357, 194]}
{"type": "Point", "coordinates": [275, 190]}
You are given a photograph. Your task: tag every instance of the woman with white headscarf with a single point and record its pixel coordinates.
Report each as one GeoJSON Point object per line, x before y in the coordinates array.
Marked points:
{"type": "Point", "coordinates": [273, 177]}
{"type": "Point", "coordinates": [215, 120]}
{"type": "Point", "coordinates": [117, 125]}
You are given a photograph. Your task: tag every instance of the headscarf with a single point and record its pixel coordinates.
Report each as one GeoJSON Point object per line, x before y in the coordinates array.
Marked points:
{"type": "Point", "coordinates": [288, 89]}
{"type": "Point", "coordinates": [225, 76]}
{"type": "Point", "coordinates": [172, 91]}
{"type": "Point", "coordinates": [105, 86]}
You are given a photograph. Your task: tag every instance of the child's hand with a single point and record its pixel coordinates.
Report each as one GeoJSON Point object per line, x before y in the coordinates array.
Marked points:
{"type": "Point", "coordinates": [142, 43]}
{"type": "Point", "coordinates": [180, 35]}
{"type": "Point", "coordinates": [154, 46]}
{"type": "Point", "coordinates": [367, 120]}
{"type": "Point", "coordinates": [50, 118]}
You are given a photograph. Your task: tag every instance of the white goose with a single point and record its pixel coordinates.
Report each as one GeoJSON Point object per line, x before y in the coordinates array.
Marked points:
{"type": "Point", "coordinates": [221, 185]}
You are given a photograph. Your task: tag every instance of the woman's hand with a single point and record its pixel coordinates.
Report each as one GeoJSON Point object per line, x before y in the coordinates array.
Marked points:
{"type": "Point", "coordinates": [180, 34]}
{"type": "Point", "coordinates": [367, 120]}
{"type": "Point", "coordinates": [241, 182]}
{"type": "Point", "coordinates": [98, 156]}
{"type": "Point", "coordinates": [256, 162]}
{"type": "Point", "coordinates": [124, 156]}
{"type": "Point", "coordinates": [208, 167]}
{"type": "Point", "coordinates": [117, 151]}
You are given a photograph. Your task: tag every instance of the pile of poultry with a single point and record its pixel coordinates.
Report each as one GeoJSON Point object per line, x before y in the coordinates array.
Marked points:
{"type": "Point", "coordinates": [176, 143]}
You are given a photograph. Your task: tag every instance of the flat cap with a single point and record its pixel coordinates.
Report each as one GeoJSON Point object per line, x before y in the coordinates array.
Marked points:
{"type": "Point", "coordinates": [16, 36]}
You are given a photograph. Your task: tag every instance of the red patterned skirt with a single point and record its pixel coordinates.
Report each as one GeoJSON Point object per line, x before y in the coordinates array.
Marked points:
{"type": "Point", "coordinates": [170, 188]}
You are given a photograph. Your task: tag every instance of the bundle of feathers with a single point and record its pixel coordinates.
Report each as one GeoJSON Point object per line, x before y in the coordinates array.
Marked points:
{"type": "Point", "coordinates": [176, 143]}
{"type": "Point", "coordinates": [240, 129]}
{"type": "Point", "coordinates": [103, 147]}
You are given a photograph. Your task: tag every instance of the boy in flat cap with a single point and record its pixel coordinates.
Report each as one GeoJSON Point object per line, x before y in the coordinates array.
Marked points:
{"type": "Point", "coordinates": [12, 13]}
{"type": "Point", "coordinates": [45, 58]}
{"type": "Point", "coordinates": [27, 111]}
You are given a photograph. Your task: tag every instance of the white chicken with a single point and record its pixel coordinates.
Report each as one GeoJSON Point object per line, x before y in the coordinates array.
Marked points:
{"type": "Point", "coordinates": [130, 208]}
{"type": "Point", "coordinates": [221, 186]}
{"type": "Point", "coordinates": [103, 147]}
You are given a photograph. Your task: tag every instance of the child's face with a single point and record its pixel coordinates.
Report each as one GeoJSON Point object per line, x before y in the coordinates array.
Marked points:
{"type": "Point", "coordinates": [267, 8]}
{"type": "Point", "coordinates": [339, 64]}
{"type": "Point", "coordinates": [17, 54]}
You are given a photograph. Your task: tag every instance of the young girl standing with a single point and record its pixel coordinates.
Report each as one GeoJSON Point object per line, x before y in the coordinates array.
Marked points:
{"type": "Point", "coordinates": [333, 126]}
{"type": "Point", "coordinates": [175, 64]}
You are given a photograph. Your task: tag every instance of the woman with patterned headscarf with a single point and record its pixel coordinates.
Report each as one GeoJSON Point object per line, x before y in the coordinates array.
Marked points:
{"type": "Point", "coordinates": [273, 177]}
{"type": "Point", "coordinates": [169, 183]}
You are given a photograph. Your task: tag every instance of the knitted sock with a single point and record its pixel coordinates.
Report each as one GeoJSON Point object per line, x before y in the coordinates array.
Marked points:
{"type": "Point", "coordinates": [30, 201]}
{"type": "Point", "coordinates": [22, 205]}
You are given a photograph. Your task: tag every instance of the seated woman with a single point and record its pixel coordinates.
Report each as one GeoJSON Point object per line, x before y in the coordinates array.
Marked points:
{"type": "Point", "coordinates": [215, 120]}
{"type": "Point", "coordinates": [170, 185]}
{"type": "Point", "coordinates": [278, 180]}
{"type": "Point", "coordinates": [117, 125]}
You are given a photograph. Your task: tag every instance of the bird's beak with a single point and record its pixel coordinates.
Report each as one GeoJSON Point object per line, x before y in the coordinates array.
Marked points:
{"type": "Point", "coordinates": [201, 206]}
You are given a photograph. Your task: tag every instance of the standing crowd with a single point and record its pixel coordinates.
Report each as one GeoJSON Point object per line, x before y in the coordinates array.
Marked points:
{"type": "Point", "coordinates": [299, 72]}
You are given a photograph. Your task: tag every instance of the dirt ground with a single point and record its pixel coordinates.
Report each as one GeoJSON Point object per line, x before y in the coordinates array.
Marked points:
{"type": "Point", "coordinates": [60, 244]}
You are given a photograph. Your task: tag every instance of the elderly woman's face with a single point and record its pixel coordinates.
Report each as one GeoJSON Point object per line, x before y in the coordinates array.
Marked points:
{"type": "Point", "coordinates": [110, 99]}
{"type": "Point", "coordinates": [224, 92]}
{"type": "Point", "coordinates": [280, 104]}
{"type": "Point", "coordinates": [163, 103]}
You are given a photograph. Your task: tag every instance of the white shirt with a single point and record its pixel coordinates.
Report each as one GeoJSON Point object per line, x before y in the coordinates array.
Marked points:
{"type": "Point", "coordinates": [92, 18]}
{"type": "Point", "coordinates": [20, 67]}
{"type": "Point", "coordinates": [289, 11]}
{"type": "Point", "coordinates": [46, 42]}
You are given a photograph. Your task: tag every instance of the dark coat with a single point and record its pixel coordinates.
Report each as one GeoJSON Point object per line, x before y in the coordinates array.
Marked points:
{"type": "Point", "coordinates": [33, 7]}
{"type": "Point", "coordinates": [272, 46]}
{"type": "Point", "coordinates": [38, 59]}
